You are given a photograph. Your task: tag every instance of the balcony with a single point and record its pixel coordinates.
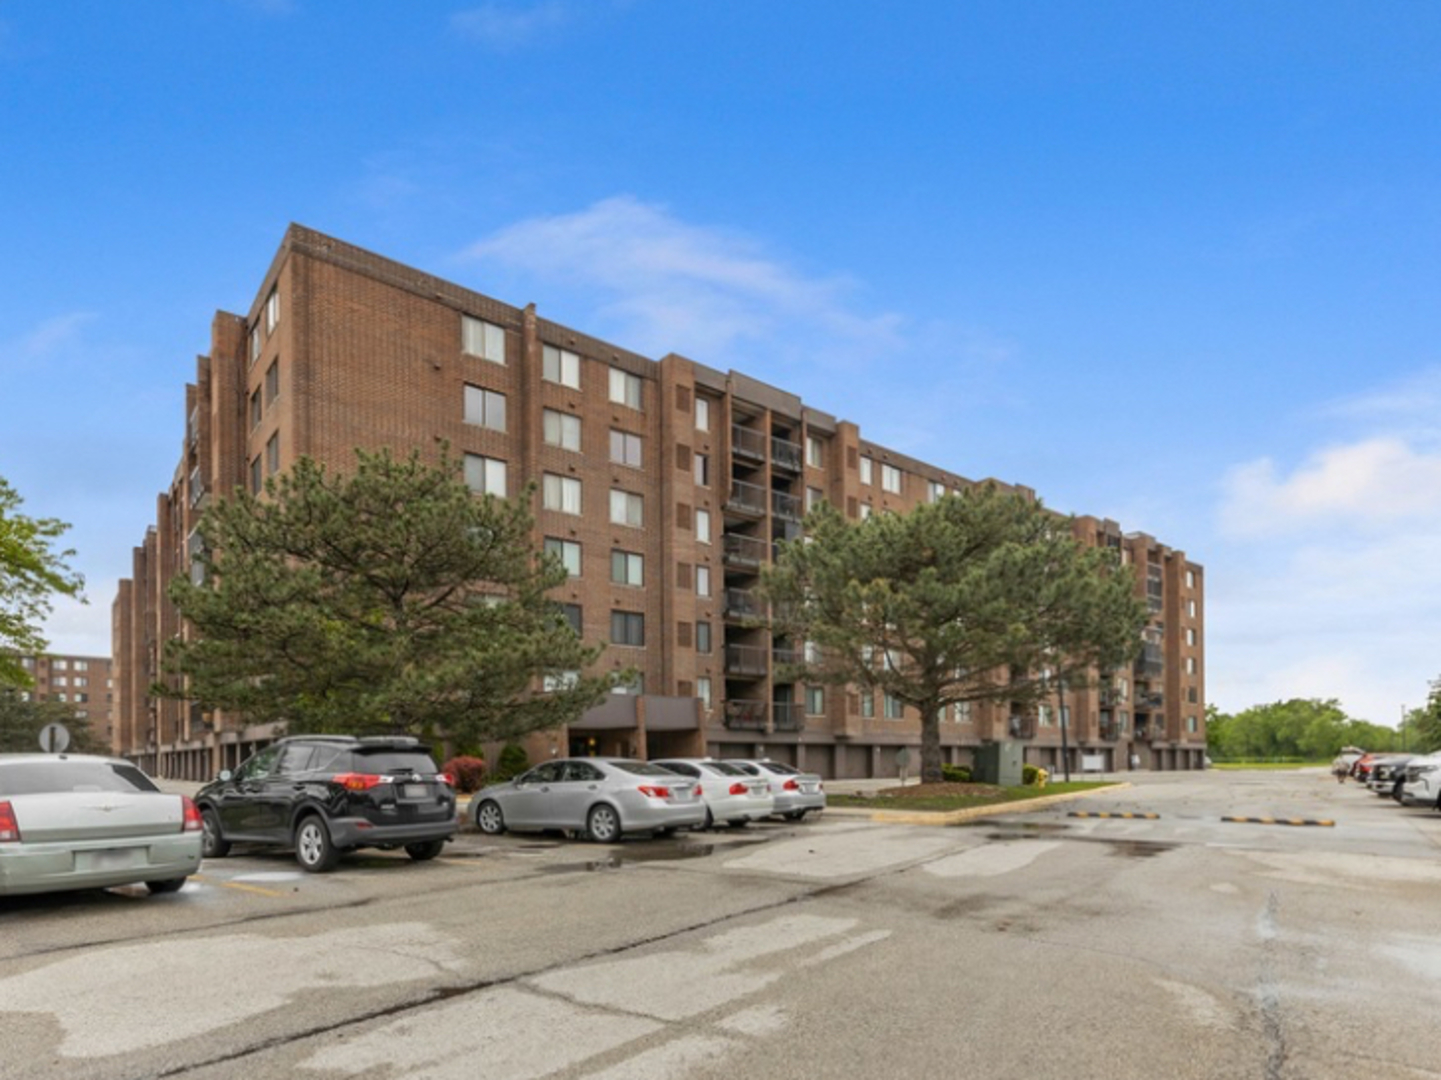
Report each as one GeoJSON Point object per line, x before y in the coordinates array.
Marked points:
{"type": "Point", "coordinates": [786, 454]}
{"type": "Point", "coordinates": [1108, 732]}
{"type": "Point", "coordinates": [746, 660]}
{"type": "Point", "coordinates": [1020, 727]}
{"type": "Point", "coordinates": [743, 604]}
{"type": "Point", "coordinates": [745, 715]}
{"type": "Point", "coordinates": [789, 716]}
{"type": "Point", "coordinates": [748, 443]}
{"type": "Point", "coordinates": [746, 498]}
{"type": "Point", "coordinates": [786, 507]}
{"type": "Point", "coordinates": [1150, 702]}
{"type": "Point", "coordinates": [738, 550]}
{"type": "Point", "coordinates": [1151, 663]}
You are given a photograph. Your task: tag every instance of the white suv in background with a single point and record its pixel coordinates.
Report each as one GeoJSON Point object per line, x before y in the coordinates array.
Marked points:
{"type": "Point", "coordinates": [1423, 781]}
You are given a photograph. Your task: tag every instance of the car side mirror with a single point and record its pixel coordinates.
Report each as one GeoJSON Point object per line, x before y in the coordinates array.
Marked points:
{"type": "Point", "coordinates": [224, 775]}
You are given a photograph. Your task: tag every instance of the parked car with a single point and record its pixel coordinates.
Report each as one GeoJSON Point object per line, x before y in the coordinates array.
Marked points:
{"type": "Point", "coordinates": [604, 798]}
{"type": "Point", "coordinates": [77, 821]}
{"type": "Point", "coordinates": [731, 795]}
{"type": "Point", "coordinates": [796, 793]}
{"type": "Point", "coordinates": [1388, 774]}
{"type": "Point", "coordinates": [1423, 782]}
{"type": "Point", "coordinates": [324, 795]}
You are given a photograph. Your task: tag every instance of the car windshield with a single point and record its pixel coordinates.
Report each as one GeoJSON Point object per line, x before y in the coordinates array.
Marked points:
{"type": "Point", "coordinates": [394, 761]}
{"type": "Point", "coordinates": [44, 777]}
{"type": "Point", "coordinates": [640, 768]}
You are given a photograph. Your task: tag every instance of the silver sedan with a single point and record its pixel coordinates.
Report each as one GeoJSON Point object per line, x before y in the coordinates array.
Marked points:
{"type": "Point", "coordinates": [730, 794]}
{"type": "Point", "coordinates": [601, 797]}
{"type": "Point", "coordinates": [73, 821]}
{"type": "Point", "coordinates": [796, 793]}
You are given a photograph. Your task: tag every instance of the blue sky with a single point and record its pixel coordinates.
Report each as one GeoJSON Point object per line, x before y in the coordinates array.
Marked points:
{"type": "Point", "coordinates": [1172, 264]}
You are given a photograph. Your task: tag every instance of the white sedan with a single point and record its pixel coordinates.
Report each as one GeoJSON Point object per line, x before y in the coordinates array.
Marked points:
{"type": "Point", "coordinates": [73, 821]}
{"type": "Point", "coordinates": [730, 794]}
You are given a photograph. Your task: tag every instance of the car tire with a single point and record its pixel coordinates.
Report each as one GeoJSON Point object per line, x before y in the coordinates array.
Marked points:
{"type": "Point", "coordinates": [314, 850]}
{"type": "Point", "coordinates": [489, 818]}
{"type": "Point", "coordinates": [425, 850]}
{"type": "Point", "coordinates": [796, 815]}
{"type": "Point", "coordinates": [213, 844]}
{"type": "Point", "coordinates": [602, 824]}
{"type": "Point", "coordinates": [664, 834]}
{"type": "Point", "coordinates": [739, 823]}
{"type": "Point", "coordinates": [171, 885]}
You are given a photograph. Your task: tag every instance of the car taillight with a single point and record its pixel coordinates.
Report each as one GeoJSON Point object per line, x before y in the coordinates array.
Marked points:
{"type": "Point", "coordinates": [650, 791]}
{"type": "Point", "coordinates": [192, 821]}
{"type": "Point", "coordinates": [446, 779]}
{"type": "Point", "coordinates": [356, 781]}
{"type": "Point", "coordinates": [790, 785]}
{"type": "Point", "coordinates": [739, 789]}
{"type": "Point", "coordinates": [9, 827]}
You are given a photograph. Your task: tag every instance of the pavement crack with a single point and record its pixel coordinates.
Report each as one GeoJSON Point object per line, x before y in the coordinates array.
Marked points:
{"type": "Point", "coordinates": [1268, 993]}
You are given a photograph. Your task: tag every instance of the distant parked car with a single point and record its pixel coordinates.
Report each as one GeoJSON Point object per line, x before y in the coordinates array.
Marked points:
{"type": "Point", "coordinates": [604, 798]}
{"type": "Point", "coordinates": [796, 793]}
{"type": "Point", "coordinates": [1388, 774]}
{"type": "Point", "coordinates": [731, 795]}
{"type": "Point", "coordinates": [1423, 782]}
{"type": "Point", "coordinates": [324, 795]}
{"type": "Point", "coordinates": [76, 821]}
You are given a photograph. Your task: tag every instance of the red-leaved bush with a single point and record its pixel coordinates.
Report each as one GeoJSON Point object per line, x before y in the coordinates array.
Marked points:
{"type": "Point", "coordinates": [467, 772]}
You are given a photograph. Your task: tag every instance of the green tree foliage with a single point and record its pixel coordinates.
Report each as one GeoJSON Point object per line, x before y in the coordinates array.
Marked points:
{"type": "Point", "coordinates": [22, 719]}
{"type": "Point", "coordinates": [1308, 729]}
{"type": "Point", "coordinates": [389, 600]}
{"type": "Point", "coordinates": [1425, 723]}
{"type": "Point", "coordinates": [983, 595]}
{"type": "Point", "coordinates": [30, 573]}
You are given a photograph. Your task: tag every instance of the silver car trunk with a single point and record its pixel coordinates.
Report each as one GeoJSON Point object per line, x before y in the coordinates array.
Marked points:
{"type": "Point", "coordinates": [95, 815]}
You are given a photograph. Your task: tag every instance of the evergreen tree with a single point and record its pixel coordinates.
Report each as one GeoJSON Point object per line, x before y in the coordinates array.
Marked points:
{"type": "Point", "coordinates": [22, 719]}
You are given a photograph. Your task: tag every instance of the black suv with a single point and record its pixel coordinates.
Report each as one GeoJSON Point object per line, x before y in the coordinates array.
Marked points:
{"type": "Point", "coordinates": [325, 795]}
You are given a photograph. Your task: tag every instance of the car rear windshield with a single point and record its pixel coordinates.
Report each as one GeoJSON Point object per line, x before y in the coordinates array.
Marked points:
{"type": "Point", "coordinates": [394, 761]}
{"type": "Point", "coordinates": [780, 769]}
{"type": "Point", "coordinates": [641, 768]}
{"type": "Point", "coordinates": [45, 777]}
{"type": "Point", "coordinates": [725, 768]}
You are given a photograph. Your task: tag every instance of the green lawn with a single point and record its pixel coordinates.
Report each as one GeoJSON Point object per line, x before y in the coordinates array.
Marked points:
{"type": "Point", "coordinates": [941, 803]}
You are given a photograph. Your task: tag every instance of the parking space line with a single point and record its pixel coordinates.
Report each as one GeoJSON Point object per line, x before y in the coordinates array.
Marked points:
{"type": "Point", "coordinates": [260, 890]}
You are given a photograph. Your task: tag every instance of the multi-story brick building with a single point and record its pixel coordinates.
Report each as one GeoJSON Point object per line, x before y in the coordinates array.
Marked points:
{"type": "Point", "coordinates": [662, 485]}
{"type": "Point", "coordinates": [82, 683]}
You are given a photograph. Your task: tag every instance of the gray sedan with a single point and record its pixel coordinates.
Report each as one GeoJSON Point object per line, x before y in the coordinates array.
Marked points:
{"type": "Point", "coordinates": [797, 793]}
{"type": "Point", "coordinates": [73, 821]}
{"type": "Point", "coordinates": [601, 797]}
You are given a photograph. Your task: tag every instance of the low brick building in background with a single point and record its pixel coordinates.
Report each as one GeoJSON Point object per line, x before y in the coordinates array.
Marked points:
{"type": "Point", "coordinates": [81, 683]}
{"type": "Point", "coordinates": [662, 484]}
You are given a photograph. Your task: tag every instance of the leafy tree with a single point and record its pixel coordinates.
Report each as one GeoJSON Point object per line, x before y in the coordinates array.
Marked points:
{"type": "Point", "coordinates": [22, 719]}
{"type": "Point", "coordinates": [30, 573]}
{"type": "Point", "coordinates": [1425, 723]}
{"type": "Point", "coordinates": [1301, 728]}
{"type": "Point", "coordinates": [983, 595]}
{"type": "Point", "coordinates": [391, 600]}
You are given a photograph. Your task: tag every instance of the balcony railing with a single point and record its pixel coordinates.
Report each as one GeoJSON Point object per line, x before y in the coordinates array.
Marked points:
{"type": "Point", "coordinates": [747, 498]}
{"type": "Point", "coordinates": [1150, 701]}
{"type": "Point", "coordinates": [785, 454]}
{"type": "Point", "coordinates": [747, 442]}
{"type": "Point", "coordinates": [1152, 661]}
{"type": "Point", "coordinates": [786, 506]}
{"type": "Point", "coordinates": [743, 604]}
{"type": "Point", "coordinates": [745, 715]}
{"type": "Point", "coordinates": [1108, 732]}
{"type": "Point", "coordinates": [744, 550]}
{"type": "Point", "coordinates": [1020, 727]}
{"type": "Point", "coordinates": [788, 716]}
{"type": "Point", "coordinates": [746, 660]}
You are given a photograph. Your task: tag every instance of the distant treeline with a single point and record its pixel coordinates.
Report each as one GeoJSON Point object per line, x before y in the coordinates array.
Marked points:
{"type": "Point", "coordinates": [1313, 730]}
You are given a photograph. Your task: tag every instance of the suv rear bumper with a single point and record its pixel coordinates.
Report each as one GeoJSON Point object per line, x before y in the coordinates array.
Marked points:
{"type": "Point", "coordinates": [357, 832]}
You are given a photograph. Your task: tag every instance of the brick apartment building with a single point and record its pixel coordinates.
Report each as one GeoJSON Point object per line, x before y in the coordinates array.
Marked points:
{"type": "Point", "coordinates": [662, 486]}
{"type": "Point", "coordinates": [83, 683]}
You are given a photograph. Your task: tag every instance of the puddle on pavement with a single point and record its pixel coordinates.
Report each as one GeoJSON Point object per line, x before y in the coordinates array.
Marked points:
{"type": "Point", "coordinates": [1133, 849]}
{"type": "Point", "coordinates": [1007, 830]}
{"type": "Point", "coordinates": [638, 856]}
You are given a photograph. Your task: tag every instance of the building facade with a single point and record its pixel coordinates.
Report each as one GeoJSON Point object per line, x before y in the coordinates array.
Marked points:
{"type": "Point", "coordinates": [661, 484]}
{"type": "Point", "coordinates": [81, 683]}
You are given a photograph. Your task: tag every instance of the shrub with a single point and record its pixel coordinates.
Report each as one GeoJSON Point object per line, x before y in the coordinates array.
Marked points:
{"type": "Point", "coordinates": [513, 761]}
{"type": "Point", "coordinates": [956, 774]}
{"type": "Point", "coordinates": [1030, 774]}
{"type": "Point", "coordinates": [467, 771]}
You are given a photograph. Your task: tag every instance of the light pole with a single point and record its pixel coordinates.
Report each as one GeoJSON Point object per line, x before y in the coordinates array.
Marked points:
{"type": "Point", "coordinates": [1065, 744]}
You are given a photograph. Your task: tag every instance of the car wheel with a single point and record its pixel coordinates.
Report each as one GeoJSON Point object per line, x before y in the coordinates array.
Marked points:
{"type": "Point", "coordinates": [739, 823]}
{"type": "Point", "coordinates": [796, 815]}
{"type": "Point", "coordinates": [663, 834]}
{"type": "Point", "coordinates": [173, 885]}
{"type": "Point", "coordinates": [489, 819]}
{"type": "Point", "coordinates": [313, 847]}
{"type": "Point", "coordinates": [602, 824]}
{"type": "Point", "coordinates": [213, 844]}
{"type": "Point", "coordinates": [428, 849]}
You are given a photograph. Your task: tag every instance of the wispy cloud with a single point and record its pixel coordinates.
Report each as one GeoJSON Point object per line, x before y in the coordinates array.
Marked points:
{"type": "Point", "coordinates": [713, 294]}
{"type": "Point", "coordinates": [510, 26]}
{"type": "Point", "coordinates": [54, 337]}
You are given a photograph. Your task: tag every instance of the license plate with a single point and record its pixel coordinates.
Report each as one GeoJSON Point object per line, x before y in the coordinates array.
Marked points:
{"type": "Point", "coordinates": [110, 859]}
{"type": "Point", "coordinates": [414, 791]}
{"type": "Point", "coordinates": [809, 789]}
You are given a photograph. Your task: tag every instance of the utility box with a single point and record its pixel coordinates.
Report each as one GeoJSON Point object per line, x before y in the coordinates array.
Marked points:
{"type": "Point", "coordinates": [1000, 763]}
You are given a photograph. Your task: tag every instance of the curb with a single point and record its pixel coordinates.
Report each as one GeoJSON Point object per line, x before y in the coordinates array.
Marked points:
{"type": "Point", "coordinates": [951, 817]}
{"type": "Point", "coordinates": [1324, 822]}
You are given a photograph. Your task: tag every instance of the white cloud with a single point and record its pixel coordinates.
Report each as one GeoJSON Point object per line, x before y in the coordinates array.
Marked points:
{"type": "Point", "coordinates": [50, 338]}
{"type": "Point", "coordinates": [508, 26]}
{"type": "Point", "coordinates": [712, 294]}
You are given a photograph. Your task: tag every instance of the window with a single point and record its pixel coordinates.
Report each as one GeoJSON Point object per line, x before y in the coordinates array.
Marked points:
{"type": "Point", "coordinates": [891, 479]}
{"type": "Point", "coordinates": [702, 580]}
{"type": "Point", "coordinates": [815, 452]}
{"type": "Point", "coordinates": [1043, 716]}
{"type": "Point", "coordinates": [624, 388]}
{"type": "Point", "coordinates": [702, 526]}
{"type": "Point", "coordinates": [895, 709]}
{"type": "Point", "coordinates": [814, 497]}
{"type": "Point", "coordinates": [702, 470]}
{"type": "Point", "coordinates": [560, 493]}
{"type": "Point", "coordinates": [272, 311]}
{"type": "Point", "coordinates": [256, 411]}
{"type": "Point", "coordinates": [1190, 635]}
{"type": "Point", "coordinates": [1191, 608]}
{"type": "Point", "coordinates": [702, 637]}
{"type": "Point", "coordinates": [560, 366]}
{"type": "Point", "coordinates": [572, 614]}
{"type": "Point", "coordinates": [935, 492]}
{"type": "Point", "coordinates": [561, 429]}
{"type": "Point", "coordinates": [627, 628]}
{"type": "Point", "coordinates": [61, 680]}
{"type": "Point", "coordinates": [482, 339]}
{"type": "Point", "coordinates": [194, 548]}
{"type": "Point", "coordinates": [567, 551]}
{"type": "Point", "coordinates": [635, 686]}
{"type": "Point", "coordinates": [702, 691]}
{"type": "Point", "coordinates": [1191, 724]}
{"type": "Point", "coordinates": [484, 408]}
{"type": "Point", "coordinates": [963, 712]}
{"type": "Point", "coordinates": [627, 568]}
{"type": "Point", "coordinates": [866, 511]}
{"type": "Point", "coordinates": [868, 703]}
{"type": "Point", "coordinates": [1190, 665]}
{"type": "Point", "coordinates": [485, 476]}
{"type": "Point", "coordinates": [272, 382]}
{"type": "Point", "coordinates": [625, 448]}
{"type": "Point", "coordinates": [867, 476]}
{"type": "Point", "coordinates": [815, 700]}
{"type": "Point", "coordinates": [82, 665]}
{"type": "Point", "coordinates": [255, 343]}
{"type": "Point", "coordinates": [272, 455]}
{"type": "Point", "coordinates": [702, 414]}
{"type": "Point", "coordinates": [1190, 579]}
{"type": "Point", "coordinates": [257, 475]}
{"type": "Point", "coordinates": [560, 680]}
{"type": "Point", "coordinates": [627, 508]}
